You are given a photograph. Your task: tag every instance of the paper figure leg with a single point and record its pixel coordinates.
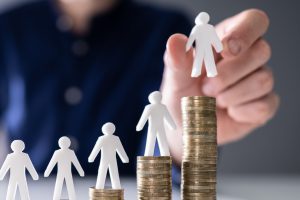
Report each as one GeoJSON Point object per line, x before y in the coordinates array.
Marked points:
{"type": "Point", "coordinates": [162, 143]}
{"type": "Point", "coordinates": [150, 144]}
{"type": "Point", "coordinates": [70, 187]}
{"type": "Point", "coordinates": [210, 64]}
{"type": "Point", "coordinates": [114, 175]}
{"type": "Point", "coordinates": [11, 190]}
{"type": "Point", "coordinates": [101, 175]}
{"type": "Point", "coordinates": [198, 62]}
{"type": "Point", "coordinates": [23, 188]}
{"type": "Point", "coordinates": [58, 187]}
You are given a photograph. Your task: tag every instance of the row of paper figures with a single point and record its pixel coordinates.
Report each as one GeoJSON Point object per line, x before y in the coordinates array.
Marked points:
{"type": "Point", "coordinates": [204, 36]}
{"type": "Point", "coordinates": [18, 162]}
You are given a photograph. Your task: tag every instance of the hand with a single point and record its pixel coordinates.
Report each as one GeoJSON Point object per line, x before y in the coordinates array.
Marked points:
{"type": "Point", "coordinates": [91, 159]}
{"type": "Point", "coordinates": [35, 177]}
{"type": "Point", "coordinates": [46, 174]}
{"type": "Point", "coordinates": [126, 160]}
{"type": "Point", "coordinates": [243, 88]}
{"type": "Point", "coordinates": [81, 173]}
{"type": "Point", "coordinates": [139, 128]}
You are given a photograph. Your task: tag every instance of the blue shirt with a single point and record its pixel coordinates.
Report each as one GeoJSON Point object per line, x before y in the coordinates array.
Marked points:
{"type": "Point", "coordinates": [54, 82]}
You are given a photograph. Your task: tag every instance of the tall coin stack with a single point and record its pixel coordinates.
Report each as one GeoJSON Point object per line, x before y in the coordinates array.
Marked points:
{"type": "Point", "coordinates": [154, 177]}
{"type": "Point", "coordinates": [106, 194]}
{"type": "Point", "coordinates": [199, 164]}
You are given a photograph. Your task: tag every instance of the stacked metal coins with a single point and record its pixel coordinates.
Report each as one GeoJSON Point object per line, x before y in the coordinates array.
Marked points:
{"type": "Point", "coordinates": [106, 194]}
{"type": "Point", "coordinates": [154, 177]}
{"type": "Point", "coordinates": [198, 180]}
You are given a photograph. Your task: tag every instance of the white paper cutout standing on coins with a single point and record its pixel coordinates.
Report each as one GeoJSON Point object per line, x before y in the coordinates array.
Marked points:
{"type": "Point", "coordinates": [204, 35]}
{"type": "Point", "coordinates": [109, 145]}
{"type": "Point", "coordinates": [17, 163]}
{"type": "Point", "coordinates": [157, 115]}
{"type": "Point", "coordinates": [64, 158]}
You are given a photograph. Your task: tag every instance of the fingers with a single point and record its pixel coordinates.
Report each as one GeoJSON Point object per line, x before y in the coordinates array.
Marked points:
{"type": "Point", "coordinates": [178, 66]}
{"type": "Point", "coordinates": [238, 33]}
{"type": "Point", "coordinates": [235, 69]}
{"type": "Point", "coordinates": [255, 86]}
{"type": "Point", "coordinates": [256, 112]}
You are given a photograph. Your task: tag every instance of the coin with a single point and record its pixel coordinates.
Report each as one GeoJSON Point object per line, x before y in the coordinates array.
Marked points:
{"type": "Point", "coordinates": [199, 165]}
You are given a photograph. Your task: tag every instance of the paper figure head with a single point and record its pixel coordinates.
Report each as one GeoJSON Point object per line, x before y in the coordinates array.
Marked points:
{"type": "Point", "coordinates": [17, 146]}
{"type": "Point", "coordinates": [202, 18]}
{"type": "Point", "coordinates": [64, 142]}
{"type": "Point", "coordinates": [108, 128]}
{"type": "Point", "coordinates": [155, 97]}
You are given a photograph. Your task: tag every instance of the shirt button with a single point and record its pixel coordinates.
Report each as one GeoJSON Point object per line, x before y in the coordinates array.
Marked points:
{"type": "Point", "coordinates": [73, 96]}
{"type": "Point", "coordinates": [64, 23]}
{"type": "Point", "coordinates": [80, 48]}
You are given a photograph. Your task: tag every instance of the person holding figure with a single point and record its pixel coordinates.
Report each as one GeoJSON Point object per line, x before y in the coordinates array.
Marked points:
{"type": "Point", "coordinates": [205, 36]}
{"type": "Point", "coordinates": [156, 113]}
{"type": "Point", "coordinates": [109, 145]}
{"type": "Point", "coordinates": [64, 158]}
{"type": "Point", "coordinates": [17, 163]}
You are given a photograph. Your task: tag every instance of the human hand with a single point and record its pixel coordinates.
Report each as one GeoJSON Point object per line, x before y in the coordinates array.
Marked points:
{"type": "Point", "coordinates": [243, 88]}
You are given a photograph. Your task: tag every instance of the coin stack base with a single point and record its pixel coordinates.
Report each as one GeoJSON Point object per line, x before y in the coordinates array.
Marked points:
{"type": "Point", "coordinates": [198, 180]}
{"type": "Point", "coordinates": [154, 178]}
{"type": "Point", "coordinates": [106, 194]}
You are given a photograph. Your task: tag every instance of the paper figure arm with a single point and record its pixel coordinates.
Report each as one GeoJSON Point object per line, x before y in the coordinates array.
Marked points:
{"type": "Point", "coordinates": [31, 169]}
{"type": "Point", "coordinates": [143, 119]}
{"type": "Point", "coordinates": [191, 39]}
{"type": "Point", "coordinates": [77, 164]}
{"type": "Point", "coordinates": [121, 152]}
{"type": "Point", "coordinates": [215, 41]}
{"type": "Point", "coordinates": [169, 120]}
{"type": "Point", "coordinates": [96, 150]}
{"type": "Point", "coordinates": [5, 167]}
{"type": "Point", "coordinates": [51, 165]}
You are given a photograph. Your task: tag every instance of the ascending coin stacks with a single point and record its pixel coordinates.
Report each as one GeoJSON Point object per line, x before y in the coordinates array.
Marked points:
{"type": "Point", "coordinates": [199, 161]}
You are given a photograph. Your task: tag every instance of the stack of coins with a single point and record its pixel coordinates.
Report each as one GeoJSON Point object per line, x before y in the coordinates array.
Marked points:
{"type": "Point", "coordinates": [154, 177]}
{"type": "Point", "coordinates": [106, 194]}
{"type": "Point", "coordinates": [198, 180]}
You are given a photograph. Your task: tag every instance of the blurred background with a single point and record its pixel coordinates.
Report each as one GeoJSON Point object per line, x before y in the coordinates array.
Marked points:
{"type": "Point", "coordinates": [274, 148]}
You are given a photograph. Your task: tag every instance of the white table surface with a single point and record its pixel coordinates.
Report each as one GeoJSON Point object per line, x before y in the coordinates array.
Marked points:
{"type": "Point", "coordinates": [229, 188]}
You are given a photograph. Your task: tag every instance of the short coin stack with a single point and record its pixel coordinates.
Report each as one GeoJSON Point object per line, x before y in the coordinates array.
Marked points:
{"type": "Point", "coordinates": [198, 180]}
{"type": "Point", "coordinates": [154, 177]}
{"type": "Point", "coordinates": [106, 194]}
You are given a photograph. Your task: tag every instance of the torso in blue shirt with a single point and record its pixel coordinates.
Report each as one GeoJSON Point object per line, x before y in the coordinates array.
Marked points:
{"type": "Point", "coordinates": [54, 83]}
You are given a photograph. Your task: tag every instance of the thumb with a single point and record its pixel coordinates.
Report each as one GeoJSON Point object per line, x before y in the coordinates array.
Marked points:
{"type": "Point", "coordinates": [178, 66]}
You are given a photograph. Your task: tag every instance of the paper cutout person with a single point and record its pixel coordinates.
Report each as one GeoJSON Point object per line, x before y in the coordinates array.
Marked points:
{"type": "Point", "coordinates": [64, 158]}
{"type": "Point", "coordinates": [18, 162]}
{"type": "Point", "coordinates": [109, 145]}
{"type": "Point", "coordinates": [157, 115]}
{"type": "Point", "coordinates": [205, 36]}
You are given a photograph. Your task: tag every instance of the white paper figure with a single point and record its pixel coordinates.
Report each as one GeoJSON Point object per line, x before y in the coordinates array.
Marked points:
{"type": "Point", "coordinates": [157, 115]}
{"type": "Point", "coordinates": [64, 158]}
{"type": "Point", "coordinates": [18, 162]}
{"type": "Point", "coordinates": [109, 145]}
{"type": "Point", "coordinates": [204, 36]}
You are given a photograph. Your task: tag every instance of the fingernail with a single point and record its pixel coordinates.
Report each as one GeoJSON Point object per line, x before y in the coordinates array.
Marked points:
{"type": "Point", "coordinates": [208, 89]}
{"type": "Point", "coordinates": [234, 46]}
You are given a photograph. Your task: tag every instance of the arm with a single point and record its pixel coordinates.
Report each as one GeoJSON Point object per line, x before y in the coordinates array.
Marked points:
{"type": "Point", "coordinates": [51, 165]}
{"type": "Point", "coordinates": [31, 169]}
{"type": "Point", "coordinates": [77, 164]}
{"type": "Point", "coordinates": [191, 39]}
{"type": "Point", "coordinates": [96, 150]}
{"type": "Point", "coordinates": [169, 120]}
{"type": "Point", "coordinates": [5, 167]}
{"type": "Point", "coordinates": [121, 152]}
{"type": "Point", "coordinates": [143, 119]}
{"type": "Point", "coordinates": [215, 41]}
